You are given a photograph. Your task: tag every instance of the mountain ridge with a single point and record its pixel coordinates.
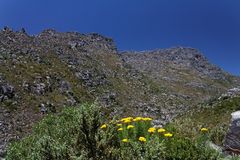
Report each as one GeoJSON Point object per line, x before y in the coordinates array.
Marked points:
{"type": "Point", "coordinates": [44, 73]}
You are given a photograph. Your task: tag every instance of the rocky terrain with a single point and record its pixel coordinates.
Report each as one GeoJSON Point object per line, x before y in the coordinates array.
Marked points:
{"type": "Point", "coordinates": [184, 71]}
{"type": "Point", "coordinates": [44, 73]}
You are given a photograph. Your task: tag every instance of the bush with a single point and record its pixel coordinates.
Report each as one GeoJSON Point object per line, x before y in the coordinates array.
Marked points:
{"type": "Point", "coordinates": [72, 134]}
{"type": "Point", "coordinates": [161, 143]}
{"type": "Point", "coordinates": [84, 133]}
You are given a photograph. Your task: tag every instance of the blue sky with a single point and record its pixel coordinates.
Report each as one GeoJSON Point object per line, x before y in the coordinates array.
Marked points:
{"type": "Point", "coordinates": [212, 26]}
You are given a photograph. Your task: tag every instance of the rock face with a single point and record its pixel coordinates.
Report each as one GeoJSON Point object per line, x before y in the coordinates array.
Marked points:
{"type": "Point", "coordinates": [183, 70]}
{"type": "Point", "coordinates": [233, 92]}
{"type": "Point", "coordinates": [232, 139]}
{"type": "Point", "coordinates": [52, 70]}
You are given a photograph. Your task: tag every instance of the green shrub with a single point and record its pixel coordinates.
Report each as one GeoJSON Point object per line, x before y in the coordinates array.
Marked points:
{"type": "Point", "coordinates": [84, 133]}
{"type": "Point", "coordinates": [72, 134]}
{"type": "Point", "coordinates": [167, 145]}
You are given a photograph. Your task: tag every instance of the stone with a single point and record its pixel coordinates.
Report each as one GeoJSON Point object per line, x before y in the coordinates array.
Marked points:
{"type": "Point", "coordinates": [6, 92]}
{"type": "Point", "coordinates": [47, 107]}
{"type": "Point", "coordinates": [65, 86]}
{"type": "Point", "coordinates": [51, 107]}
{"type": "Point", "coordinates": [43, 108]}
{"type": "Point", "coordinates": [39, 88]}
{"type": "Point", "coordinates": [72, 45]}
{"type": "Point", "coordinates": [214, 146]}
{"type": "Point", "coordinates": [232, 139]}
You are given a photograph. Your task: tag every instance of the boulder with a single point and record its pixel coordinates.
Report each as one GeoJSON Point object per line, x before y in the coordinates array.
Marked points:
{"type": "Point", "coordinates": [65, 86]}
{"type": "Point", "coordinates": [232, 139]}
{"type": "Point", "coordinates": [39, 88]}
{"type": "Point", "coordinates": [6, 92]}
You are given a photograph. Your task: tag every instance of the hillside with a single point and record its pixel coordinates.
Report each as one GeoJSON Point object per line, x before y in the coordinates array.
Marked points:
{"type": "Point", "coordinates": [45, 73]}
{"type": "Point", "coordinates": [185, 72]}
{"type": "Point", "coordinates": [215, 115]}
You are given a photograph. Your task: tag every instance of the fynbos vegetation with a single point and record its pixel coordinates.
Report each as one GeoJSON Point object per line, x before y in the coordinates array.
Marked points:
{"type": "Point", "coordinates": [83, 133]}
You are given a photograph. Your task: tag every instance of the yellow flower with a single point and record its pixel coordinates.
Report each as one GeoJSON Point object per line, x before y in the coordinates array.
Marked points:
{"type": "Point", "coordinates": [204, 129]}
{"type": "Point", "coordinates": [161, 130]}
{"type": "Point", "coordinates": [147, 119]}
{"type": "Point", "coordinates": [130, 126]}
{"type": "Point", "coordinates": [151, 130]}
{"type": "Point", "coordinates": [137, 119]}
{"type": "Point", "coordinates": [119, 124]}
{"type": "Point", "coordinates": [120, 129]}
{"type": "Point", "coordinates": [142, 139]}
{"type": "Point", "coordinates": [103, 126]}
{"type": "Point", "coordinates": [127, 119]}
{"type": "Point", "coordinates": [125, 140]}
{"type": "Point", "coordinates": [168, 135]}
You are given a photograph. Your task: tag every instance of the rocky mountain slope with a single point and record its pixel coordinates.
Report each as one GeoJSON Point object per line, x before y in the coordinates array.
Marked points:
{"type": "Point", "coordinates": [44, 73]}
{"type": "Point", "coordinates": [184, 71]}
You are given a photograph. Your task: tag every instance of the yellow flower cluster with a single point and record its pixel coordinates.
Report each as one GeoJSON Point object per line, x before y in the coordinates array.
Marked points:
{"type": "Point", "coordinates": [127, 119]}
{"type": "Point", "coordinates": [130, 126]}
{"type": "Point", "coordinates": [119, 124]}
{"type": "Point", "coordinates": [161, 130]}
{"type": "Point", "coordinates": [120, 129]}
{"type": "Point", "coordinates": [142, 139]}
{"type": "Point", "coordinates": [131, 119]}
{"type": "Point", "coordinates": [152, 130]}
{"type": "Point", "coordinates": [103, 126]}
{"type": "Point", "coordinates": [168, 135]}
{"type": "Point", "coordinates": [137, 119]}
{"type": "Point", "coordinates": [204, 130]}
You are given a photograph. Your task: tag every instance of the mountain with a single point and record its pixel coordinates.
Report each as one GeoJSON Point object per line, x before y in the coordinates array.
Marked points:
{"type": "Point", "coordinates": [182, 70]}
{"type": "Point", "coordinates": [45, 73]}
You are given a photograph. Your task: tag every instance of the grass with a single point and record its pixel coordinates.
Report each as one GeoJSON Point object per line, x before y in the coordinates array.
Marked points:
{"type": "Point", "coordinates": [215, 116]}
{"type": "Point", "coordinates": [27, 72]}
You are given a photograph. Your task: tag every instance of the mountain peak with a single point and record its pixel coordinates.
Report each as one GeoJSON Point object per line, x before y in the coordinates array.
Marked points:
{"type": "Point", "coordinates": [177, 57]}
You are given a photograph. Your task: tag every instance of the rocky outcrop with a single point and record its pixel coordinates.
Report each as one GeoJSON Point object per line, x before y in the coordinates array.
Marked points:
{"type": "Point", "coordinates": [179, 57]}
{"type": "Point", "coordinates": [183, 70]}
{"type": "Point", "coordinates": [233, 92]}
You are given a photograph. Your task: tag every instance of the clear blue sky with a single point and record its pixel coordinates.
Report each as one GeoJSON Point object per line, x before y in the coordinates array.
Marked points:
{"type": "Point", "coordinates": [213, 26]}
